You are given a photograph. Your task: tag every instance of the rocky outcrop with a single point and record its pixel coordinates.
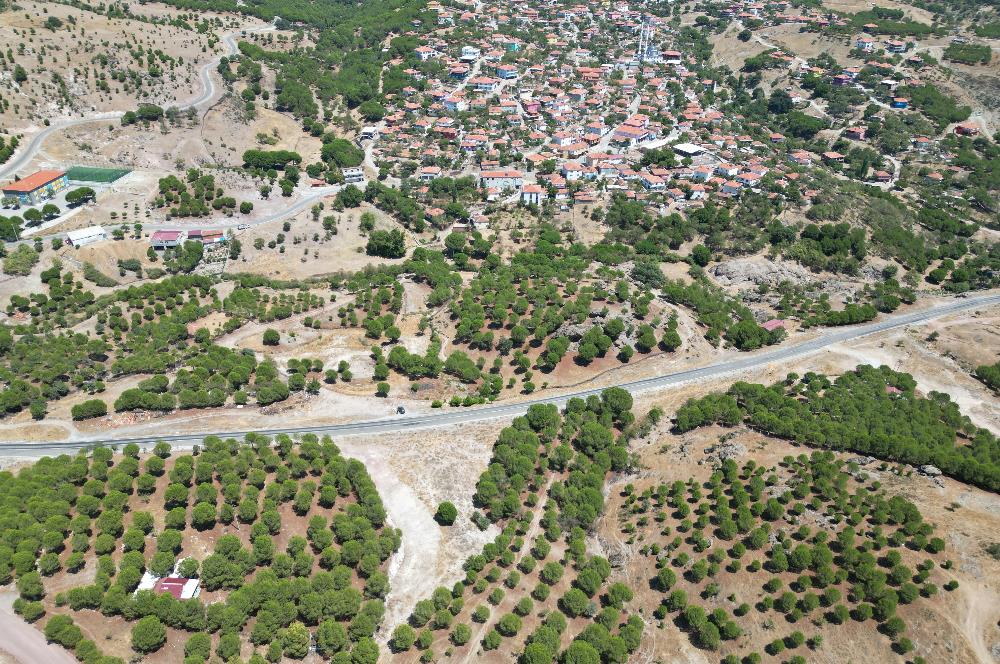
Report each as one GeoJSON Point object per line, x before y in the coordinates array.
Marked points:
{"type": "Point", "coordinates": [748, 272]}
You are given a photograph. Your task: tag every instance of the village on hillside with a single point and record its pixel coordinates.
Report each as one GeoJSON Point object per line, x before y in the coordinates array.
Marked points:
{"type": "Point", "coordinates": [491, 331]}
{"type": "Point", "coordinates": [596, 108]}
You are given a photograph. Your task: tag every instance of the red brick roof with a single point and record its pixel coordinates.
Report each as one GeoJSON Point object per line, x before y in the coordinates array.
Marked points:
{"type": "Point", "coordinates": [172, 584]}
{"type": "Point", "coordinates": [34, 181]}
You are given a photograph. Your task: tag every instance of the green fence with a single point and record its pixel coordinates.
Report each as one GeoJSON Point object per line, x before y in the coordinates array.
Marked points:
{"type": "Point", "coordinates": [94, 174]}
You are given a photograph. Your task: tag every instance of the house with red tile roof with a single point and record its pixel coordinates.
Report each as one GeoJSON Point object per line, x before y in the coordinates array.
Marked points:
{"type": "Point", "coordinates": [179, 587]}
{"type": "Point", "coordinates": [501, 179]}
{"type": "Point", "coordinates": [532, 194]}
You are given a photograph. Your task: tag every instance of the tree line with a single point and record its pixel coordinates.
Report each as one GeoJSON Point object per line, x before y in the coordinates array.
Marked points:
{"type": "Point", "coordinates": [870, 410]}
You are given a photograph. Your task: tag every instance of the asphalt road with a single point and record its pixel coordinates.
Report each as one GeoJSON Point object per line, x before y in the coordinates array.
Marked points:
{"type": "Point", "coordinates": [315, 195]}
{"type": "Point", "coordinates": [25, 155]}
{"type": "Point", "coordinates": [458, 416]}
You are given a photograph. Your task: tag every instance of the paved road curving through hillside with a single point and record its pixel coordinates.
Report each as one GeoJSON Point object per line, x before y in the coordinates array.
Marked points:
{"type": "Point", "coordinates": [208, 92]}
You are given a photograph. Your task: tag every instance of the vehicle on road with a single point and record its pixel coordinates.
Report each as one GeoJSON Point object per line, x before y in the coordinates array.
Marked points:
{"type": "Point", "coordinates": [33, 449]}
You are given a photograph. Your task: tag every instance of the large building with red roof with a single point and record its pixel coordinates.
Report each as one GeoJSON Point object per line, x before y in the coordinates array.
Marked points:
{"type": "Point", "coordinates": [37, 187]}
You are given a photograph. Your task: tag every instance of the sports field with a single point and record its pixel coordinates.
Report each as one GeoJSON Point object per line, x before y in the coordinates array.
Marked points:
{"type": "Point", "coordinates": [94, 174]}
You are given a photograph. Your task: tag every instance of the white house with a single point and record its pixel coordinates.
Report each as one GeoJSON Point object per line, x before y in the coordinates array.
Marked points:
{"type": "Point", "coordinates": [167, 239]}
{"type": "Point", "coordinates": [454, 104]}
{"type": "Point", "coordinates": [507, 72]}
{"type": "Point", "coordinates": [727, 170]}
{"type": "Point", "coordinates": [652, 182]}
{"type": "Point", "coordinates": [425, 53]}
{"type": "Point", "coordinates": [800, 158]}
{"type": "Point", "coordinates": [428, 173]}
{"type": "Point", "coordinates": [502, 179]}
{"type": "Point", "coordinates": [531, 194]}
{"type": "Point", "coordinates": [484, 84]}
{"type": "Point", "coordinates": [701, 174]}
{"type": "Point", "coordinates": [572, 170]}
{"type": "Point", "coordinates": [630, 136]}
{"type": "Point", "coordinates": [353, 175]}
{"type": "Point", "coordinates": [564, 138]}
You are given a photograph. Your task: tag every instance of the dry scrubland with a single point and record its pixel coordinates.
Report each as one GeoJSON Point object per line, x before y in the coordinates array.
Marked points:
{"type": "Point", "coordinates": [211, 146]}
{"type": "Point", "coordinates": [952, 626]}
{"type": "Point", "coordinates": [65, 65]}
{"type": "Point", "coordinates": [309, 253]}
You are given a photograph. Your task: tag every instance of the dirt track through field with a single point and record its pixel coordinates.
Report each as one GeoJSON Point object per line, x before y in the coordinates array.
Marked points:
{"type": "Point", "coordinates": [23, 642]}
{"type": "Point", "coordinates": [410, 572]}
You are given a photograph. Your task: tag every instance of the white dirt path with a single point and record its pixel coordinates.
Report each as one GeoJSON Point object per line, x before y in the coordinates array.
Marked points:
{"type": "Point", "coordinates": [23, 642]}
{"type": "Point", "coordinates": [420, 540]}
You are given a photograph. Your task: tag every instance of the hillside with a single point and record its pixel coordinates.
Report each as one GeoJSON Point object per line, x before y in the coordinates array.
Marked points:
{"type": "Point", "coordinates": [482, 330]}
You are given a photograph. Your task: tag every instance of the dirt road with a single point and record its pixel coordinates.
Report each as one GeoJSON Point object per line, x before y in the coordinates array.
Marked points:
{"type": "Point", "coordinates": [410, 572]}
{"type": "Point", "coordinates": [208, 94]}
{"type": "Point", "coordinates": [23, 642]}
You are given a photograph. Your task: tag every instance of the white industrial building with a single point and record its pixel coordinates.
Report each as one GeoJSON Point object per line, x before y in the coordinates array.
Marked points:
{"type": "Point", "coordinates": [87, 235]}
{"type": "Point", "coordinates": [688, 149]}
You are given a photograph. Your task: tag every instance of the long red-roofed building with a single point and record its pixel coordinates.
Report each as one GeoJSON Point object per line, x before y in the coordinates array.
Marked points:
{"type": "Point", "coordinates": [37, 187]}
